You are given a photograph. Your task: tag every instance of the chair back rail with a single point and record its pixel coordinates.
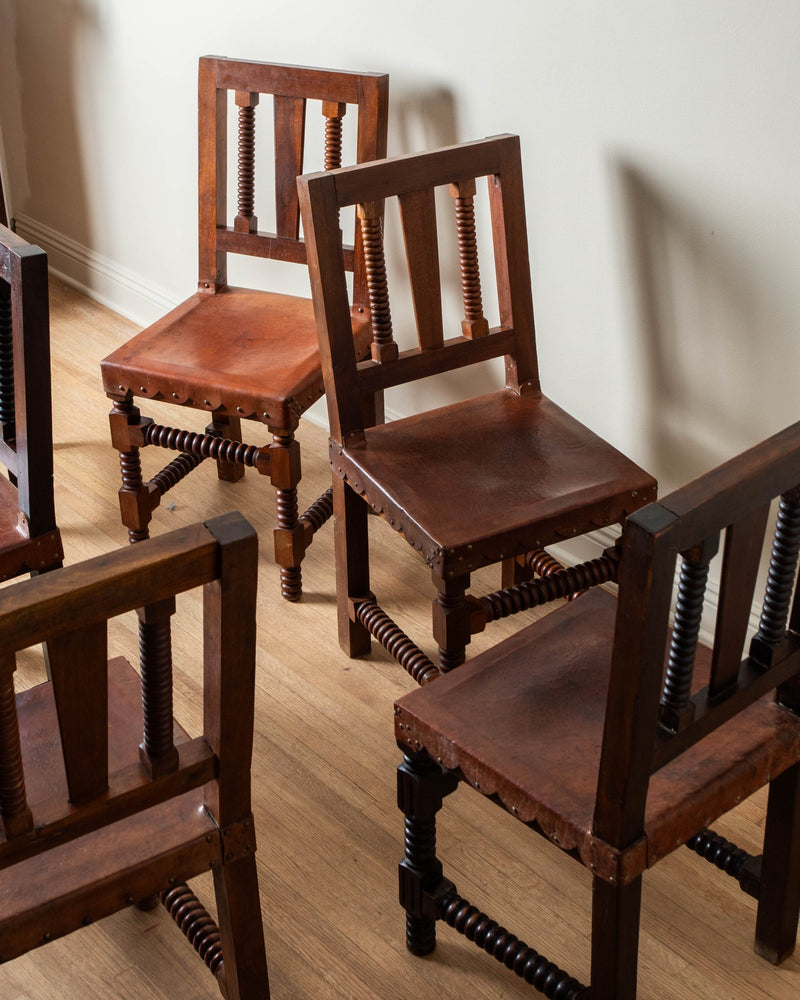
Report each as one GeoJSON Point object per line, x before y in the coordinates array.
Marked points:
{"type": "Point", "coordinates": [414, 180]}
{"type": "Point", "coordinates": [71, 609]}
{"type": "Point", "coordinates": [651, 715]}
{"type": "Point", "coordinates": [291, 89]}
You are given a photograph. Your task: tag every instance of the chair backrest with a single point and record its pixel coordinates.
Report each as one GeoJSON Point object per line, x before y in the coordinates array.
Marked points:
{"type": "Point", "coordinates": [414, 180]}
{"type": "Point", "coordinates": [651, 715]}
{"type": "Point", "coordinates": [102, 783]}
{"type": "Point", "coordinates": [26, 447]}
{"type": "Point", "coordinates": [291, 88]}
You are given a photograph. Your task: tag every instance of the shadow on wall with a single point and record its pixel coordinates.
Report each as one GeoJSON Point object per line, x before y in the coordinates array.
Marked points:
{"type": "Point", "coordinates": [43, 130]}
{"type": "Point", "coordinates": [696, 317]}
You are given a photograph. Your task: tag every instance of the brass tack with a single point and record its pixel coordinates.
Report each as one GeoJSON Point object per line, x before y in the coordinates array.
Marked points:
{"type": "Point", "coordinates": [174, 395]}
{"type": "Point", "coordinates": [206, 403]}
{"type": "Point", "coordinates": [142, 389]}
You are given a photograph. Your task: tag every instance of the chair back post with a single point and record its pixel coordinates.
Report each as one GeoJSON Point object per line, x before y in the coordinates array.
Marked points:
{"type": "Point", "coordinates": [229, 604]}
{"type": "Point", "coordinates": [25, 378]}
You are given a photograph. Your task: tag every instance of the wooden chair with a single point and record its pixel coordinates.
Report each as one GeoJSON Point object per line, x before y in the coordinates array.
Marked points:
{"type": "Point", "coordinates": [30, 541]}
{"type": "Point", "coordinates": [239, 352]}
{"type": "Point", "coordinates": [104, 800]}
{"type": "Point", "coordinates": [621, 740]}
{"type": "Point", "coordinates": [467, 484]}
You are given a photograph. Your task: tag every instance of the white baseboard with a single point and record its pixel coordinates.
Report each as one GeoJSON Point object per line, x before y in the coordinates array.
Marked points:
{"type": "Point", "coordinates": [137, 298]}
{"type": "Point", "coordinates": [102, 279]}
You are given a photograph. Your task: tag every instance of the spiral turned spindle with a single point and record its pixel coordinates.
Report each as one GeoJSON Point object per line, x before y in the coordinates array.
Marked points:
{"type": "Point", "coordinates": [333, 112]}
{"type": "Point", "coordinates": [733, 860]}
{"type": "Point", "coordinates": [396, 642]}
{"type": "Point", "coordinates": [384, 347]}
{"type": "Point", "coordinates": [155, 659]}
{"type": "Point", "coordinates": [523, 960]}
{"type": "Point", "coordinates": [559, 583]}
{"type": "Point", "coordinates": [14, 811]}
{"type": "Point", "coordinates": [676, 708]}
{"type": "Point", "coordinates": [780, 576]}
{"type": "Point", "coordinates": [175, 471]}
{"type": "Point", "coordinates": [246, 221]}
{"type": "Point", "coordinates": [197, 925]}
{"type": "Point", "coordinates": [474, 323]}
{"type": "Point", "coordinates": [320, 511]}
{"type": "Point", "coordinates": [204, 445]}
{"type": "Point", "coordinates": [7, 410]}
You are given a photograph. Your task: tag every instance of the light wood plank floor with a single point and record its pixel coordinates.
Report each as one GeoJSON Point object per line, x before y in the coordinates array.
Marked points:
{"type": "Point", "coordinates": [330, 834]}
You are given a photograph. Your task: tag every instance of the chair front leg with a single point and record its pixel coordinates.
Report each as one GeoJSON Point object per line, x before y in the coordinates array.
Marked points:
{"type": "Point", "coordinates": [421, 787]}
{"type": "Point", "coordinates": [290, 537]}
{"type": "Point", "coordinates": [230, 429]}
{"type": "Point", "coordinates": [136, 500]}
{"type": "Point", "coordinates": [451, 619]}
{"type": "Point", "coordinates": [351, 544]}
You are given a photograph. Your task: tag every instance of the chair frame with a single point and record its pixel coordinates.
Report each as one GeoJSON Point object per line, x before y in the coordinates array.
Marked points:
{"type": "Point", "coordinates": [103, 788]}
{"type": "Point", "coordinates": [280, 460]}
{"type": "Point", "coordinates": [350, 382]}
{"type": "Point", "coordinates": [654, 714]}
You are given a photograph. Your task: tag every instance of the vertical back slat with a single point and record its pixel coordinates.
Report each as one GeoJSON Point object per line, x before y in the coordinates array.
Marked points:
{"type": "Point", "coordinates": [290, 122]}
{"type": "Point", "coordinates": [246, 220]}
{"type": "Point", "coordinates": [158, 753]}
{"type": "Point", "coordinates": [744, 541]}
{"type": "Point", "coordinates": [384, 347]}
{"type": "Point", "coordinates": [780, 578]}
{"type": "Point", "coordinates": [474, 323]}
{"type": "Point", "coordinates": [418, 214]}
{"type": "Point", "coordinates": [676, 709]}
{"type": "Point", "coordinates": [15, 814]}
{"type": "Point", "coordinates": [82, 707]}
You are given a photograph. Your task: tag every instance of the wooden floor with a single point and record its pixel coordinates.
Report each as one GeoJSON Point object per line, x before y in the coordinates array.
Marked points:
{"type": "Point", "coordinates": [330, 834]}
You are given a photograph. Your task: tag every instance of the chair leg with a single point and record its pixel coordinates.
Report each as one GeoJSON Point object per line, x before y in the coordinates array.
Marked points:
{"type": "Point", "coordinates": [451, 619]}
{"type": "Point", "coordinates": [351, 542]}
{"type": "Point", "coordinates": [779, 898]}
{"type": "Point", "coordinates": [421, 787]}
{"type": "Point", "coordinates": [230, 429]}
{"type": "Point", "coordinates": [289, 532]}
{"type": "Point", "coordinates": [615, 939]}
{"type": "Point", "coordinates": [136, 501]}
{"type": "Point", "coordinates": [241, 930]}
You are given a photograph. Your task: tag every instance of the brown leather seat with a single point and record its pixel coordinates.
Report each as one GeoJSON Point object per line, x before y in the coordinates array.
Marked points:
{"type": "Point", "coordinates": [240, 352]}
{"type": "Point", "coordinates": [577, 728]}
{"type": "Point", "coordinates": [481, 481]}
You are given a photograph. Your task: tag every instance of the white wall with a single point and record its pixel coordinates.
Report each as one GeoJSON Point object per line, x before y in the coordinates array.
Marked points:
{"type": "Point", "coordinates": [661, 141]}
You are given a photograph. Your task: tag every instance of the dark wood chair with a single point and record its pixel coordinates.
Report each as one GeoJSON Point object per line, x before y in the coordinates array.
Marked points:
{"type": "Point", "coordinates": [30, 541]}
{"type": "Point", "coordinates": [621, 739]}
{"type": "Point", "coordinates": [104, 799]}
{"type": "Point", "coordinates": [476, 482]}
{"type": "Point", "coordinates": [239, 352]}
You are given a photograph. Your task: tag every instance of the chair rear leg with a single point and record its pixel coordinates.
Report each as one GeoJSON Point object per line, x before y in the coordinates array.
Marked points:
{"type": "Point", "coordinates": [229, 428]}
{"type": "Point", "coordinates": [241, 930]}
{"type": "Point", "coordinates": [351, 542]}
{"type": "Point", "coordinates": [615, 939]}
{"type": "Point", "coordinates": [779, 898]}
